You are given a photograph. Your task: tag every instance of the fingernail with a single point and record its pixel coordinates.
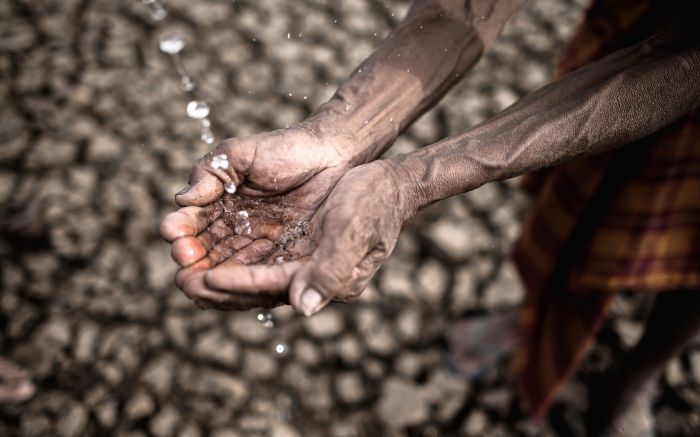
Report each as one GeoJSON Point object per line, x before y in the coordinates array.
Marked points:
{"type": "Point", "coordinates": [183, 191]}
{"type": "Point", "coordinates": [310, 300]}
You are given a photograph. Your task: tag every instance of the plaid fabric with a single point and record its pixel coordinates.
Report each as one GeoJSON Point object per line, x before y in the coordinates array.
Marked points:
{"type": "Point", "coordinates": [627, 220]}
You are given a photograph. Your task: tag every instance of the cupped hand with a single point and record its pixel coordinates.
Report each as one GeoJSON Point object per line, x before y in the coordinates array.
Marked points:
{"type": "Point", "coordinates": [269, 164]}
{"type": "Point", "coordinates": [349, 237]}
{"type": "Point", "coordinates": [280, 179]}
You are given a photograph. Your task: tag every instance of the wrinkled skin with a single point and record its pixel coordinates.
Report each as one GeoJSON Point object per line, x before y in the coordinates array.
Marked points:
{"type": "Point", "coordinates": [351, 234]}
{"type": "Point", "coordinates": [290, 171]}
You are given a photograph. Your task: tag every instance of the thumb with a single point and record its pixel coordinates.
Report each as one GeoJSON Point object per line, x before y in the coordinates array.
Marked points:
{"type": "Point", "coordinates": [203, 189]}
{"type": "Point", "coordinates": [329, 274]}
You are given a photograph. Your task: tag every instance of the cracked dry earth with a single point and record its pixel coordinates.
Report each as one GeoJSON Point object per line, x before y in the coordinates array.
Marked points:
{"type": "Point", "coordinates": [94, 141]}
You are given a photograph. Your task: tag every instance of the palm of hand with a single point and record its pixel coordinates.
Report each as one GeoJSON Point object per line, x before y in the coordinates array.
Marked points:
{"type": "Point", "coordinates": [337, 251]}
{"type": "Point", "coordinates": [286, 179]}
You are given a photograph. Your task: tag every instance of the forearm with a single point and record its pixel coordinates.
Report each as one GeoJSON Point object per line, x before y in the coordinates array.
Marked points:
{"type": "Point", "coordinates": [604, 105]}
{"type": "Point", "coordinates": [422, 58]}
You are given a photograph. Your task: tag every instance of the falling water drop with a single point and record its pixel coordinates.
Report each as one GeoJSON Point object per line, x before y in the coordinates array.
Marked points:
{"type": "Point", "coordinates": [264, 317]}
{"type": "Point", "coordinates": [186, 83]}
{"type": "Point", "coordinates": [207, 136]}
{"type": "Point", "coordinates": [197, 109]}
{"type": "Point", "coordinates": [281, 348]}
{"type": "Point", "coordinates": [171, 44]}
{"type": "Point", "coordinates": [158, 12]}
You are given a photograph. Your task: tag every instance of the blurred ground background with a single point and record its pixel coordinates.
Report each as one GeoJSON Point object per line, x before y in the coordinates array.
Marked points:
{"type": "Point", "coordinates": [94, 141]}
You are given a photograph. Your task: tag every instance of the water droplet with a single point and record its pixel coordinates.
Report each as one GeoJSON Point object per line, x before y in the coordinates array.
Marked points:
{"type": "Point", "coordinates": [159, 14]}
{"type": "Point", "coordinates": [254, 40]}
{"type": "Point", "coordinates": [482, 18]}
{"type": "Point", "coordinates": [408, 70]}
{"type": "Point", "coordinates": [186, 83]}
{"type": "Point", "coordinates": [219, 162]}
{"type": "Point", "coordinates": [288, 35]}
{"type": "Point", "coordinates": [230, 188]}
{"type": "Point", "coordinates": [421, 27]}
{"type": "Point", "coordinates": [290, 95]}
{"type": "Point", "coordinates": [265, 318]}
{"type": "Point", "coordinates": [366, 121]}
{"type": "Point", "coordinates": [300, 34]}
{"type": "Point", "coordinates": [287, 126]}
{"type": "Point", "coordinates": [207, 137]}
{"type": "Point", "coordinates": [374, 34]}
{"type": "Point", "coordinates": [281, 348]}
{"type": "Point", "coordinates": [347, 107]}
{"type": "Point", "coordinates": [197, 109]}
{"type": "Point", "coordinates": [242, 223]}
{"type": "Point", "coordinates": [391, 119]}
{"type": "Point", "coordinates": [171, 44]}
{"type": "Point", "coordinates": [205, 122]}
{"type": "Point", "coordinates": [306, 97]}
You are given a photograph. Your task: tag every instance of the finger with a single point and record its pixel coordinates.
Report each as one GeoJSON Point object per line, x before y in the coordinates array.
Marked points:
{"type": "Point", "coordinates": [227, 247]}
{"type": "Point", "coordinates": [227, 163]}
{"type": "Point", "coordinates": [204, 187]}
{"type": "Point", "coordinates": [186, 278]}
{"type": "Point", "coordinates": [216, 232]}
{"type": "Point", "coordinates": [190, 220]}
{"type": "Point", "coordinates": [253, 252]}
{"type": "Point", "coordinates": [192, 282]}
{"type": "Point", "coordinates": [187, 250]}
{"type": "Point", "coordinates": [362, 274]}
{"type": "Point", "coordinates": [273, 278]}
{"type": "Point", "coordinates": [346, 240]}
{"type": "Point", "coordinates": [204, 296]}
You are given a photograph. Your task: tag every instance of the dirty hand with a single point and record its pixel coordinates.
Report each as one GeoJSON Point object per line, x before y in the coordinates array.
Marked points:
{"type": "Point", "coordinates": [290, 171]}
{"type": "Point", "coordinates": [351, 235]}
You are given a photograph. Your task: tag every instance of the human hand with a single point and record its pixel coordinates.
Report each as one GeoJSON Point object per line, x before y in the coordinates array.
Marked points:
{"type": "Point", "coordinates": [269, 164]}
{"type": "Point", "coordinates": [349, 237]}
{"type": "Point", "coordinates": [281, 177]}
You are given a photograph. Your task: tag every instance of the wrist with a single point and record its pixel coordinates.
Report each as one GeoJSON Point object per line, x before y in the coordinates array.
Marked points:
{"type": "Point", "coordinates": [354, 134]}
{"type": "Point", "coordinates": [436, 172]}
{"type": "Point", "coordinates": [409, 196]}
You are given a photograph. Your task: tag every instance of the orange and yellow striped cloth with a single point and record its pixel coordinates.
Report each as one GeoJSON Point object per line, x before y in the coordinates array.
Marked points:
{"type": "Point", "coordinates": [627, 220]}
